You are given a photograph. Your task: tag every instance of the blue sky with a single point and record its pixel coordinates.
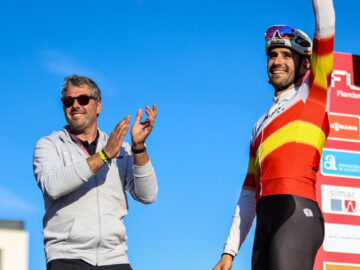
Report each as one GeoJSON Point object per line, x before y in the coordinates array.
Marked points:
{"type": "Point", "coordinates": [202, 62]}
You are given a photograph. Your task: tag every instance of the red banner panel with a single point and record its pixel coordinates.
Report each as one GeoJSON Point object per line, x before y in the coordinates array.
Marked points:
{"type": "Point", "coordinates": [338, 185]}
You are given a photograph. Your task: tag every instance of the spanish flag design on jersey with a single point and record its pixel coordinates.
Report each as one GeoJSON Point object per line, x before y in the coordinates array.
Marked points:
{"type": "Point", "coordinates": [285, 153]}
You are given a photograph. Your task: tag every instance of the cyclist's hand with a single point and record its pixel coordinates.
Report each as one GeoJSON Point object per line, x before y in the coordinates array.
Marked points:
{"type": "Point", "coordinates": [225, 262]}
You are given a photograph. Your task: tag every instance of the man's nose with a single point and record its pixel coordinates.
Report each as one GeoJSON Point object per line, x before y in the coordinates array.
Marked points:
{"type": "Point", "coordinates": [278, 60]}
{"type": "Point", "coordinates": [76, 104]}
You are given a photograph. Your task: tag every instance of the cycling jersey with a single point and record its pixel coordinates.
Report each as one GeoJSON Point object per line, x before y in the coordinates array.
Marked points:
{"type": "Point", "coordinates": [287, 142]}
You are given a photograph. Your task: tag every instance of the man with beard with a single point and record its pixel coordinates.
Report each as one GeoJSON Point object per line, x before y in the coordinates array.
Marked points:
{"type": "Point", "coordinates": [285, 151]}
{"type": "Point", "coordinates": [83, 175]}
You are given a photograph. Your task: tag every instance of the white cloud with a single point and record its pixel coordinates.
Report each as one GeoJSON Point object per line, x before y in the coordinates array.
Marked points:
{"type": "Point", "coordinates": [12, 201]}
{"type": "Point", "coordinates": [61, 63]}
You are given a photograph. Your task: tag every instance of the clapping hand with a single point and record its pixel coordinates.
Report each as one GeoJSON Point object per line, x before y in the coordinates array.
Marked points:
{"type": "Point", "coordinates": [141, 130]}
{"type": "Point", "coordinates": [116, 138]}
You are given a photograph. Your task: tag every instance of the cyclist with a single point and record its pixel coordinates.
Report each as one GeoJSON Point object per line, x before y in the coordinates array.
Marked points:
{"type": "Point", "coordinates": [285, 150]}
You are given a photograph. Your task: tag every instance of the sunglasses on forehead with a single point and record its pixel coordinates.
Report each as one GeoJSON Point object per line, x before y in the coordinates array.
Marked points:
{"type": "Point", "coordinates": [283, 30]}
{"type": "Point", "coordinates": [81, 99]}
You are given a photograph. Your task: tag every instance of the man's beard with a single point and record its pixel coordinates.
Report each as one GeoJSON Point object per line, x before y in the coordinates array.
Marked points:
{"type": "Point", "coordinates": [292, 79]}
{"type": "Point", "coordinates": [282, 85]}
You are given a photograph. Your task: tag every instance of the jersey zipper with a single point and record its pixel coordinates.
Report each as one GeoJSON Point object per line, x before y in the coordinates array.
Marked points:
{"type": "Point", "coordinates": [260, 183]}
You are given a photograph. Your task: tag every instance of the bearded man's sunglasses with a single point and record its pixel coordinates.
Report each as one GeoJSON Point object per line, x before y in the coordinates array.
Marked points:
{"type": "Point", "coordinates": [81, 99]}
{"type": "Point", "coordinates": [283, 31]}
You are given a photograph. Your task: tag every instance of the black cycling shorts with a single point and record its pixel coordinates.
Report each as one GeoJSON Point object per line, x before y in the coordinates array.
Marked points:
{"type": "Point", "coordinates": [289, 232]}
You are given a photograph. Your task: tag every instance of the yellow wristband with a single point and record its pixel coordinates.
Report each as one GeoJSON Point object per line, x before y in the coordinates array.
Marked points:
{"type": "Point", "coordinates": [103, 157]}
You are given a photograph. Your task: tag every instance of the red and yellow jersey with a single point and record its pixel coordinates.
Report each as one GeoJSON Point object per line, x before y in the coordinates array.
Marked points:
{"type": "Point", "coordinates": [287, 142]}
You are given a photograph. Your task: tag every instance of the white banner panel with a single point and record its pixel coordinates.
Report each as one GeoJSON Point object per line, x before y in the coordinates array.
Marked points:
{"type": "Point", "coordinates": [342, 238]}
{"type": "Point", "coordinates": [340, 200]}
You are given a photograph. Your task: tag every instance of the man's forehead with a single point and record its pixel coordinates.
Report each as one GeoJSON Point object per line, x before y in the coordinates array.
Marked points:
{"type": "Point", "coordinates": [280, 50]}
{"type": "Point", "coordinates": [284, 51]}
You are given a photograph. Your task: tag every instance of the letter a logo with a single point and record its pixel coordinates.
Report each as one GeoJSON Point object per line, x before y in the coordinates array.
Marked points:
{"type": "Point", "coordinates": [330, 163]}
{"type": "Point", "coordinates": [350, 206]}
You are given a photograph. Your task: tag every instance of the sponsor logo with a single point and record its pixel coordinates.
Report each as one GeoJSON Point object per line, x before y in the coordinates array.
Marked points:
{"type": "Point", "coordinates": [340, 266]}
{"type": "Point", "coordinates": [330, 162]}
{"type": "Point", "coordinates": [308, 212]}
{"type": "Point", "coordinates": [342, 238]}
{"type": "Point", "coordinates": [340, 163]}
{"type": "Point", "coordinates": [340, 200]}
{"type": "Point", "coordinates": [343, 206]}
{"type": "Point", "coordinates": [343, 77]}
{"type": "Point", "coordinates": [344, 127]}
{"type": "Point", "coordinates": [277, 41]}
{"type": "Point", "coordinates": [345, 95]}
{"type": "Point", "coordinates": [350, 206]}
{"type": "Point", "coordinates": [340, 127]}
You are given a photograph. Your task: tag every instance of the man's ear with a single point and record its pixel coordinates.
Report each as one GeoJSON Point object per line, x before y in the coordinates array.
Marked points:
{"type": "Point", "coordinates": [98, 107]}
{"type": "Point", "coordinates": [306, 63]}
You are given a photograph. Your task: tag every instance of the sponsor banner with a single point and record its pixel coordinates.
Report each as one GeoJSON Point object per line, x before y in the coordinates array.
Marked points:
{"type": "Point", "coordinates": [342, 238]}
{"type": "Point", "coordinates": [340, 266]}
{"type": "Point", "coordinates": [340, 200]}
{"type": "Point", "coordinates": [340, 163]}
{"type": "Point", "coordinates": [345, 84]}
{"type": "Point", "coordinates": [344, 127]}
{"type": "Point", "coordinates": [341, 204]}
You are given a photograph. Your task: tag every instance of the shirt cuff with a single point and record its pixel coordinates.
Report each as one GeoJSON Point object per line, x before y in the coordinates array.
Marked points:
{"type": "Point", "coordinates": [229, 251]}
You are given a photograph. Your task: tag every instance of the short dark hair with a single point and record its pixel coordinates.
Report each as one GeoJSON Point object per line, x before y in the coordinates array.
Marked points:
{"type": "Point", "coordinates": [75, 80]}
